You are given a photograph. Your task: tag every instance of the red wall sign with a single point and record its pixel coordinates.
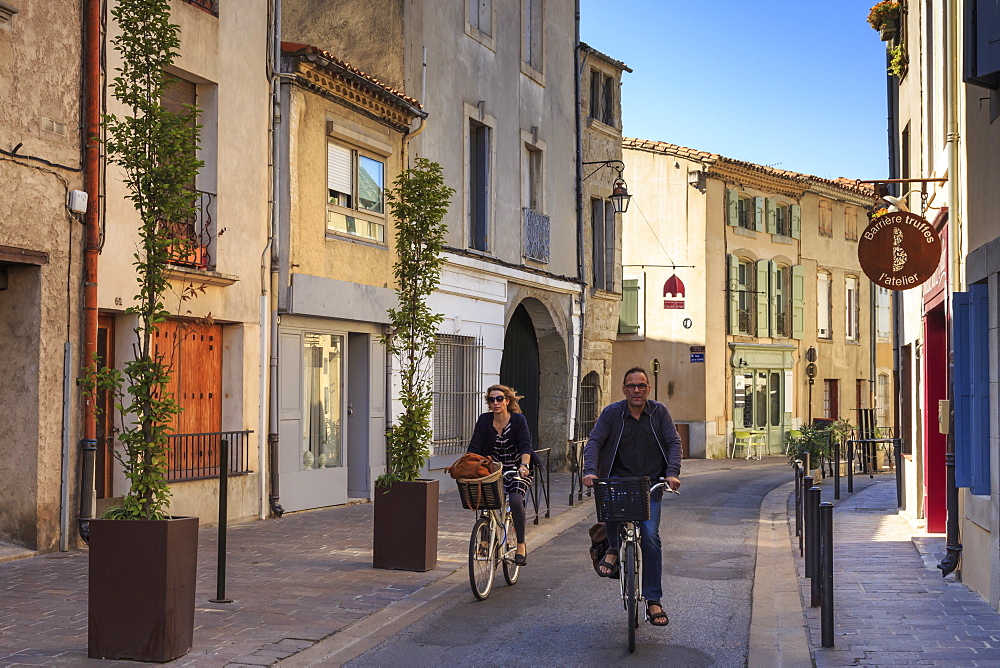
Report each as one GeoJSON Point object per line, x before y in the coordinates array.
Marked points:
{"type": "Point", "coordinates": [899, 250]}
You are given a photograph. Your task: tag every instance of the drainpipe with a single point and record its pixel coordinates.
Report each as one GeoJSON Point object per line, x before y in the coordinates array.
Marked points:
{"type": "Point", "coordinates": [892, 99]}
{"type": "Point", "coordinates": [955, 278]}
{"type": "Point", "coordinates": [580, 254]}
{"type": "Point", "coordinates": [272, 299]}
{"type": "Point", "coordinates": [91, 175]}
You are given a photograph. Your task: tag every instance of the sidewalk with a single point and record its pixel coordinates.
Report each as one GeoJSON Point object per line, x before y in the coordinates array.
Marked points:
{"type": "Point", "coordinates": [891, 605]}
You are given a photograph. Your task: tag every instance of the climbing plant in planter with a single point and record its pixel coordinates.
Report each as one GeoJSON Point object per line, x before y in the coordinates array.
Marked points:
{"type": "Point", "coordinates": [405, 532]}
{"type": "Point", "coordinates": [142, 562]}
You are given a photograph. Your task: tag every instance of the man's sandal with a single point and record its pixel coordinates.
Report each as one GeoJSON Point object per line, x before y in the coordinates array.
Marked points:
{"type": "Point", "coordinates": [656, 618]}
{"type": "Point", "coordinates": [612, 567]}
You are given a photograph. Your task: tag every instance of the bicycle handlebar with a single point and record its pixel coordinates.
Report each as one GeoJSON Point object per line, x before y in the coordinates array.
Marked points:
{"type": "Point", "coordinates": [663, 483]}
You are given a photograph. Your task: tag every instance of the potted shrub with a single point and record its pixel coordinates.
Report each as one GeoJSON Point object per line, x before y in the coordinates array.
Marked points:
{"type": "Point", "coordinates": [143, 563]}
{"type": "Point", "coordinates": [898, 61]}
{"type": "Point", "coordinates": [406, 507]}
{"type": "Point", "coordinates": [884, 17]}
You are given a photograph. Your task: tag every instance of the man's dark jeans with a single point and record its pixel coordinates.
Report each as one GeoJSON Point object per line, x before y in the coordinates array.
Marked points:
{"type": "Point", "coordinates": [652, 552]}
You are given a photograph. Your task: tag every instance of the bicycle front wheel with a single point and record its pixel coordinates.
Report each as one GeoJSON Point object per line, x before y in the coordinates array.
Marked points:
{"type": "Point", "coordinates": [482, 559]}
{"type": "Point", "coordinates": [510, 570]}
{"type": "Point", "coordinates": [630, 588]}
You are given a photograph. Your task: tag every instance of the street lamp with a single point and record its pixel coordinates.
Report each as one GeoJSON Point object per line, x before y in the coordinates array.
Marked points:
{"type": "Point", "coordinates": [619, 192]}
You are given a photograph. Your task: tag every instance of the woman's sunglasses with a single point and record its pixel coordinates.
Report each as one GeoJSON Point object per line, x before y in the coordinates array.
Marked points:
{"type": "Point", "coordinates": [495, 400]}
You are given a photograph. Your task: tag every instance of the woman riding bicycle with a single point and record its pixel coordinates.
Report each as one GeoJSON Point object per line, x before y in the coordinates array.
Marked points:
{"type": "Point", "coordinates": [503, 434]}
{"type": "Point", "coordinates": [633, 438]}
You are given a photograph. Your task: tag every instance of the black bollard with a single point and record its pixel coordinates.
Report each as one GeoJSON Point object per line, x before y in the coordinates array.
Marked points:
{"type": "Point", "coordinates": [807, 523]}
{"type": "Point", "coordinates": [812, 545]}
{"type": "Point", "coordinates": [826, 558]}
{"type": "Point", "coordinates": [220, 575]}
{"type": "Point", "coordinates": [850, 467]}
{"type": "Point", "coordinates": [807, 482]}
{"type": "Point", "coordinates": [798, 498]}
{"type": "Point", "coordinates": [836, 470]}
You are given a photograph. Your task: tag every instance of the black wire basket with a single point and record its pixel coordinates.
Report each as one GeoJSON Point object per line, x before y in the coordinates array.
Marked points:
{"type": "Point", "coordinates": [622, 499]}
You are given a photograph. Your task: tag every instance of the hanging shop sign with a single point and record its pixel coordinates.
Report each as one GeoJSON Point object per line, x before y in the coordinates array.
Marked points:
{"type": "Point", "coordinates": [899, 250]}
{"type": "Point", "coordinates": [674, 287]}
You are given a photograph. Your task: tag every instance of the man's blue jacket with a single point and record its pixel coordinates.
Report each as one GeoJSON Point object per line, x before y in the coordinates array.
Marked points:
{"type": "Point", "coordinates": [602, 445]}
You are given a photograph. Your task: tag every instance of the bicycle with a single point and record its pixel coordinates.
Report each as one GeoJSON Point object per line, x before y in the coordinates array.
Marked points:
{"type": "Point", "coordinates": [626, 500]}
{"type": "Point", "coordinates": [493, 541]}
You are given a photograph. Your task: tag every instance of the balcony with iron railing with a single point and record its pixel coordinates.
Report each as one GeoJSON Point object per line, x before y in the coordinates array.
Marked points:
{"type": "Point", "coordinates": [210, 6]}
{"type": "Point", "coordinates": [196, 456]}
{"type": "Point", "coordinates": [536, 235]}
{"type": "Point", "coordinates": [196, 234]}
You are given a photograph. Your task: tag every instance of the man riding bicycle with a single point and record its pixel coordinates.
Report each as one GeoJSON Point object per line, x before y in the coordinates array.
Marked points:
{"type": "Point", "coordinates": [632, 438]}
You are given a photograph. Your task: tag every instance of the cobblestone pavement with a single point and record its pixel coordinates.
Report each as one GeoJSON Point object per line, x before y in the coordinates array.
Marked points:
{"type": "Point", "coordinates": [892, 607]}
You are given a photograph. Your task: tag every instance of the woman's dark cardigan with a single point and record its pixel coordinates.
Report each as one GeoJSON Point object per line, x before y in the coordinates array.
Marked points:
{"type": "Point", "coordinates": [484, 437]}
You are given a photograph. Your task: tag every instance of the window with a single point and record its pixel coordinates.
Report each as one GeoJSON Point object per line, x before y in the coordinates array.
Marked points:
{"type": "Point", "coordinates": [744, 213]}
{"type": "Point", "coordinates": [602, 220]}
{"type": "Point", "coordinates": [457, 368]}
{"type": "Point", "coordinates": [628, 317]}
{"type": "Point", "coordinates": [480, 15]}
{"type": "Point", "coordinates": [972, 388]}
{"type": "Point", "coordinates": [782, 301]}
{"type": "Point", "coordinates": [742, 296]}
{"type": "Point", "coordinates": [882, 401]}
{"type": "Point", "coordinates": [883, 312]}
{"type": "Point", "coordinates": [355, 193]}
{"type": "Point", "coordinates": [823, 305]}
{"type": "Point", "coordinates": [851, 308]}
{"type": "Point", "coordinates": [532, 178]}
{"type": "Point", "coordinates": [831, 398]}
{"type": "Point", "coordinates": [851, 223]}
{"type": "Point", "coordinates": [782, 221]}
{"type": "Point", "coordinates": [982, 57]}
{"type": "Point", "coordinates": [588, 405]}
{"type": "Point", "coordinates": [602, 97]}
{"type": "Point", "coordinates": [533, 21]}
{"type": "Point", "coordinates": [323, 396]}
{"type": "Point", "coordinates": [825, 218]}
{"type": "Point", "coordinates": [479, 185]}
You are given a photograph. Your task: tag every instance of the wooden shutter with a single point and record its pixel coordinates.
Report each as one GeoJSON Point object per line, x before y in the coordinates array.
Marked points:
{"type": "Point", "coordinates": [972, 389]}
{"type": "Point", "coordinates": [798, 301]}
{"type": "Point", "coordinates": [987, 37]}
{"type": "Point", "coordinates": [178, 94]}
{"type": "Point", "coordinates": [732, 207]}
{"type": "Point", "coordinates": [610, 245]}
{"type": "Point", "coordinates": [733, 292]}
{"type": "Point", "coordinates": [758, 213]}
{"type": "Point", "coordinates": [769, 212]}
{"type": "Point", "coordinates": [628, 318]}
{"type": "Point", "coordinates": [772, 296]}
{"type": "Point", "coordinates": [338, 168]}
{"type": "Point", "coordinates": [795, 211]}
{"type": "Point", "coordinates": [761, 297]}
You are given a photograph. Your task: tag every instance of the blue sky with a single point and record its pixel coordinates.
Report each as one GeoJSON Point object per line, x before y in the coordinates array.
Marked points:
{"type": "Point", "coordinates": [796, 84]}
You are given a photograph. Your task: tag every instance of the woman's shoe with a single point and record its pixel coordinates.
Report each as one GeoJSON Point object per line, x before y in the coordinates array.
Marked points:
{"type": "Point", "coordinates": [520, 560]}
{"type": "Point", "coordinates": [609, 566]}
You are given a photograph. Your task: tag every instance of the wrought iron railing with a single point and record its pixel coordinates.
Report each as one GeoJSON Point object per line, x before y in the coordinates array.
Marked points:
{"type": "Point", "coordinates": [196, 456]}
{"type": "Point", "coordinates": [748, 320]}
{"type": "Point", "coordinates": [536, 235]}
{"type": "Point", "coordinates": [212, 6]}
{"type": "Point", "coordinates": [783, 326]}
{"type": "Point", "coordinates": [197, 234]}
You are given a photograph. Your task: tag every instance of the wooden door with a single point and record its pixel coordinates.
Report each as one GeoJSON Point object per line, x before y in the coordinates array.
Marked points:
{"type": "Point", "coordinates": [104, 465]}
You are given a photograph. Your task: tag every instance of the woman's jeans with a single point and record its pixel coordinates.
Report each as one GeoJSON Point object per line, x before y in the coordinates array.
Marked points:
{"type": "Point", "coordinates": [649, 542]}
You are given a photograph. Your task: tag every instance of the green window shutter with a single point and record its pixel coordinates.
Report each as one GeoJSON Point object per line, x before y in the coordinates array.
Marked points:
{"type": "Point", "coordinates": [761, 298]}
{"type": "Point", "coordinates": [733, 285]}
{"type": "Point", "coordinates": [772, 295]}
{"type": "Point", "coordinates": [798, 301]}
{"type": "Point", "coordinates": [769, 207]}
{"type": "Point", "coordinates": [732, 207]}
{"type": "Point", "coordinates": [758, 213]}
{"type": "Point", "coordinates": [628, 317]}
{"type": "Point", "coordinates": [795, 211]}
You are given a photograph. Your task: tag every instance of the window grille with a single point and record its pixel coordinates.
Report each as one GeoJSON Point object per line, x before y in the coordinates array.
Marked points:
{"type": "Point", "coordinates": [457, 402]}
{"type": "Point", "coordinates": [587, 405]}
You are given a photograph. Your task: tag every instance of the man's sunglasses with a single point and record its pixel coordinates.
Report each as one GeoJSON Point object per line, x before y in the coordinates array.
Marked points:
{"type": "Point", "coordinates": [495, 400]}
{"type": "Point", "coordinates": [636, 386]}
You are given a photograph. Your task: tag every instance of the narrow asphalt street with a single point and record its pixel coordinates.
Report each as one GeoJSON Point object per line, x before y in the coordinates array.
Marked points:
{"type": "Point", "coordinates": [560, 612]}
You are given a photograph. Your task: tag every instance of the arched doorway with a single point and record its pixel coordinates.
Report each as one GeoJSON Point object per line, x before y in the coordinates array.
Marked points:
{"type": "Point", "coordinates": [519, 367]}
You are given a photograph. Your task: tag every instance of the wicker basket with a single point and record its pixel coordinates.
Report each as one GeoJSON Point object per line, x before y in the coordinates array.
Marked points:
{"type": "Point", "coordinates": [482, 493]}
{"type": "Point", "coordinates": [622, 499]}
